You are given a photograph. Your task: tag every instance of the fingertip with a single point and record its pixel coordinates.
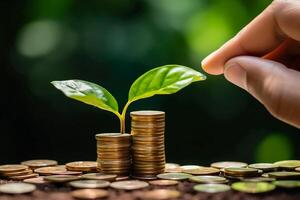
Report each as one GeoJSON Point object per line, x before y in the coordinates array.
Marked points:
{"type": "Point", "coordinates": [213, 70]}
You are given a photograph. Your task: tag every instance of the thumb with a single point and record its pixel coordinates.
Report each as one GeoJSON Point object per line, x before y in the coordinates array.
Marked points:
{"type": "Point", "coordinates": [274, 85]}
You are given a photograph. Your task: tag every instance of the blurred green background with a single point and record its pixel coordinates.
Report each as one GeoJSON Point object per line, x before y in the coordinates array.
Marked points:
{"type": "Point", "coordinates": [111, 43]}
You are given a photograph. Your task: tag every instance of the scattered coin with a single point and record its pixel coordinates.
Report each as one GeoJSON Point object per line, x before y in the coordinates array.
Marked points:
{"type": "Point", "coordinates": [90, 184]}
{"type": "Point", "coordinates": [266, 167]}
{"type": "Point", "coordinates": [189, 167]}
{"type": "Point", "coordinates": [258, 179]}
{"type": "Point", "coordinates": [129, 185]}
{"type": "Point", "coordinates": [61, 178]}
{"type": "Point", "coordinates": [226, 164]}
{"type": "Point", "coordinates": [22, 177]}
{"type": "Point", "coordinates": [122, 178]}
{"type": "Point", "coordinates": [288, 164]}
{"type": "Point", "coordinates": [253, 187]}
{"type": "Point", "coordinates": [89, 193]}
{"type": "Point", "coordinates": [33, 164]}
{"type": "Point", "coordinates": [100, 176]}
{"type": "Point", "coordinates": [174, 176]}
{"type": "Point", "coordinates": [208, 179]}
{"type": "Point", "coordinates": [241, 172]}
{"type": "Point", "coordinates": [82, 166]}
{"type": "Point", "coordinates": [289, 184]}
{"type": "Point", "coordinates": [202, 171]}
{"type": "Point", "coordinates": [18, 173]}
{"type": "Point", "coordinates": [17, 188]}
{"type": "Point", "coordinates": [37, 180]}
{"type": "Point", "coordinates": [161, 194]}
{"type": "Point", "coordinates": [211, 188]}
{"type": "Point", "coordinates": [284, 175]}
{"type": "Point", "coordinates": [164, 182]}
{"type": "Point", "coordinates": [51, 170]}
{"type": "Point", "coordinates": [12, 168]}
{"type": "Point", "coordinates": [172, 167]}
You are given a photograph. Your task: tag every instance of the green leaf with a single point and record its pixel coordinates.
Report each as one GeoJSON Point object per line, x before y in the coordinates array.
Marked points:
{"type": "Point", "coordinates": [166, 79]}
{"type": "Point", "coordinates": [89, 93]}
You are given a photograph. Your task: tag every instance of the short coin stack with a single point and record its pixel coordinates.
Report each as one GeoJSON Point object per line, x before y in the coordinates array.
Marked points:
{"type": "Point", "coordinates": [148, 149]}
{"type": "Point", "coordinates": [114, 153]}
{"type": "Point", "coordinates": [16, 172]}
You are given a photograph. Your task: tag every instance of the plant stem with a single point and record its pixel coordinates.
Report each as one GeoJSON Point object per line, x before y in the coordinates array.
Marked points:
{"type": "Point", "coordinates": [121, 121]}
{"type": "Point", "coordinates": [123, 117]}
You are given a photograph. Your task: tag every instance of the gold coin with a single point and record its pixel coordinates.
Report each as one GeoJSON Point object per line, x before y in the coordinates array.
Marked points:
{"type": "Point", "coordinates": [17, 188]}
{"type": "Point", "coordinates": [188, 167]}
{"type": "Point", "coordinates": [100, 176]}
{"type": "Point", "coordinates": [208, 179]}
{"type": "Point", "coordinates": [266, 167]}
{"type": "Point", "coordinates": [129, 185]}
{"type": "Point", "coordinates": [12, 168]}
{"type": "Point", "coordinates": [226, 164]}
{"type": "Point", "coordinates": [161, 194]}
{"type": "Point", "coordinates": [89, 193]}
{"type": "Point", "coordinates": [61, 178]}
{"type": "Point", "coordinates": [22, 177]}
{"type": "Point", "coordinates": [51, 170]}
{"type": "Point", "coordinates": [164, 182]}
{"type": "Point", "coordinates": [37, 180]}
{"type": "Point", "coordinates": [19, 173]}
{"type": "Point", "coordinates": [234, 171]}
{"type": "Point", "coordinates": [284, 175]}
{"type": "Point", "coordinates": [174, 176]}
{"type": "Point", "coordinates": [288, 164]}
{"type": "Point", "coordinates": [89, 184]}
{"type": "Point", "coordinates": [143, 113]}
{"type": "Point", "coordinates": [202, 171]}
{"type": "Point", "coordinates": [39, 163]}
{"type": "Point", "coordinates": [82, 166]}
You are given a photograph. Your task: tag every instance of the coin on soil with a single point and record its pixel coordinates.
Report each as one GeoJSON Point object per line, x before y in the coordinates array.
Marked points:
{"type": "Point", "coordinates": [160, 194]}
{"type": "Point", "coordinates": [174, 176]}
{"type": "Point", "coordinates": [89, 184]}
{"type": "Point", "coordinates": [288, 184]}
{"type": "Point", "coordinates": [22, 177]}
{"type": "Point", "coordinates": [284, 175]}
{"type": "Point", "coordinates": [100, 176]}
{"type": "Point", "coordinates": [164, 182]}
{"type": "Point", "coordinates": [89, 193]}
{"type": "Point", "coordinates": [33, 164]}
{"type": "Point", "coordinates": [288, 164]}
{"type": "Point", "coordinates": [211, 188]}
{"type": "Point", "coordinates": [37, 180]}
{"type": "Point", "coordinates": [61, 178]}
{"type": "Point", "coordinates": [233, 171]}
{"type": "Point", "coordinates": [266, 167]}
{"type": "Point", "coordinates": [51, 170]}
{"type": "Point", "coordinates": [82, 166]}
{"type": "Point", "coordinates": [225, 164]}
{"type": "Point", "coordinates": [188, 167]}
{"type": "Point", "coordinates": [17, 188]}
{"type": "Point", "coordinates": [12, 168]}
{"type": "Point", "coordinates": [253, 187]}
{"type": "Point", "coordinates": [202, 171]}
{"type": "Point", "coordinates": [129, 185]}
{"type": "Point", "coordinates": [208, 179]}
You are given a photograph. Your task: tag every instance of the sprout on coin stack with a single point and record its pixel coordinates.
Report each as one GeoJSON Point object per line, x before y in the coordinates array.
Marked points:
{"type": "Point", "coordinates": [162, 80]}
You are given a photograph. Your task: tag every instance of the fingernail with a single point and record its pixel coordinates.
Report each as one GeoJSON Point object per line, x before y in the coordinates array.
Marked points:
{"type": "Point", "coordinates": [236, 74]}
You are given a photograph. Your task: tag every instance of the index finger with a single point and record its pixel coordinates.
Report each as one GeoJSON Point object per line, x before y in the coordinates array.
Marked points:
{"type": "Point", "coordinates": [279, 21]}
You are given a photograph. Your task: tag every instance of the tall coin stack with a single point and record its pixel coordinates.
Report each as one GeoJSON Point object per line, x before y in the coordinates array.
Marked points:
{"type": "Point", "coordinates": [114, 153]}
{"type": "Point", "coordinates": [148, 149]}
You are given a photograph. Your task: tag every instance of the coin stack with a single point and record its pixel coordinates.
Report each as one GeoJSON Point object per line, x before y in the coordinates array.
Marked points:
{"type": "Point", "coordinates": [148, 149]}
{"type": "Point", "coordinates": [16, 172]}
{"type": "Point", "coordinates": [114, 153]}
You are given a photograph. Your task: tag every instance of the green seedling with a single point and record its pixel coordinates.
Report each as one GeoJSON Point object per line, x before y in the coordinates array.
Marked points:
{"type": "Point", "coordinates": [167, 79]}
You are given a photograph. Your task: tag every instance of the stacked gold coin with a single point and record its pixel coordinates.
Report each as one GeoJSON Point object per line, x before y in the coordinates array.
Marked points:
{"type": "Point", "coordinates": [114, 153]}
{"type": "Point", "coordinates": [16, 172]}
{"type": "Point", "coordinates": [148, 149]}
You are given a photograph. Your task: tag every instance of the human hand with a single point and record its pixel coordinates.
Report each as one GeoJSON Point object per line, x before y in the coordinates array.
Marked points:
{"type": "Point", "coordinates": [264, 59]}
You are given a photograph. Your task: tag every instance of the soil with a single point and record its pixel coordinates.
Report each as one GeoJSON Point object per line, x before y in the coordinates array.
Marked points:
{"type": "Point", "coordinates": [61, 192]}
